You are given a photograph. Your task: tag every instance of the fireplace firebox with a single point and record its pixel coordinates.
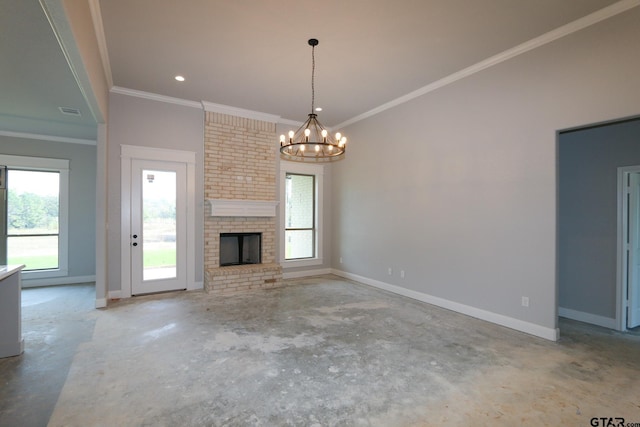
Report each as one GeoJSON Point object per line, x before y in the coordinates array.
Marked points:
{"type": "Point", "coordinates": [240, 248]}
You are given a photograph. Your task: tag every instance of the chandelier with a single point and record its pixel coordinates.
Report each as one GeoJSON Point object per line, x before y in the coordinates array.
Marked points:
{"type": "Point", "coordinates": [312, 142]}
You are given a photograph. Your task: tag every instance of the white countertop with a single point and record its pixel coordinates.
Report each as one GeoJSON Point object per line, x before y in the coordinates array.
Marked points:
{"type": "Point", "coordinates": [8, 270]}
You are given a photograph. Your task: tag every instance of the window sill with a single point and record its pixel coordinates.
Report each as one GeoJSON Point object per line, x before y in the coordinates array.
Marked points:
{"type": "Point", "coordinates": [43, 274]}
{"type": "Point", "coordinates": [301, 262]}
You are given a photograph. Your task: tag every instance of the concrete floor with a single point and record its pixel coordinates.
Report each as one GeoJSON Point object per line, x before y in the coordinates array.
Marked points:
{"type": "Point", "coordinates": [322, 352]}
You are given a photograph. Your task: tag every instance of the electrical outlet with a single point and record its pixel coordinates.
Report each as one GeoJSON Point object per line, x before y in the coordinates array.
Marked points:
{"type": "Point", "coordinates": [390, 271]}
{"type": "Point", "coordinates": [525, 301]}
{"type": "Point", "coordinates": [402, 274]}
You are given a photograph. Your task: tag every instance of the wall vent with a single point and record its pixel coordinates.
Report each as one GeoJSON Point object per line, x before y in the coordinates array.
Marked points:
{"type": "Point", "coordinates": [70, 111]}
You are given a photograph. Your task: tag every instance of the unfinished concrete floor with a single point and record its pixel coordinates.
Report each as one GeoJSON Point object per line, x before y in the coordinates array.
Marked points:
{"type": "Point", "coordinates": [322, 352]}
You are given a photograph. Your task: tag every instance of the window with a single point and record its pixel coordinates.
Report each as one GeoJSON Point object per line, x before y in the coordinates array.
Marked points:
{"type": "Point", "coordinates": [33, 206]}
{"type": "Point", "coordinates": [301, 195]}
{"type": "Point", "coordinates": [37, 194]}
{"type": "Point", "coordinates": [300, 218]}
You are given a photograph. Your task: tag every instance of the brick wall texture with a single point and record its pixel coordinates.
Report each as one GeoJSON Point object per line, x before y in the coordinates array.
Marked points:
{"type": "Point", "coordinates": [240, 164]}
{"type": "Point", "coordinates": [240, 158]}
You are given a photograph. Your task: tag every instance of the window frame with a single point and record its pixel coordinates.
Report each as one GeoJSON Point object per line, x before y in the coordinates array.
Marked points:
{"type": "Point", "coordinates": [314, 218]}
{"type": "Point", "coordinates": [60, 166]}
{"type": "Point", "coordinates": [317, 171]}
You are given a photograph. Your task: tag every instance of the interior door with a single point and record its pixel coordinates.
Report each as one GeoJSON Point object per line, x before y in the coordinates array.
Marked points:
{"type": "Point", "coordinates": [633, 278]}
{"type": "Point", "coordinates": [158, 226]}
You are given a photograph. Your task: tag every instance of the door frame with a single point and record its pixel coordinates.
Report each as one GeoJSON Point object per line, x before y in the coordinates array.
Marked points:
{"type": "Point", "coordinates": [622, 262]}
{"type": "Point", "coordinates": [132, 152]}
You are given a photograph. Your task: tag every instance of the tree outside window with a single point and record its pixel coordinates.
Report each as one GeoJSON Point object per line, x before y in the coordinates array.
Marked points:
{"type": "Point", "coordinates": [33, 207]}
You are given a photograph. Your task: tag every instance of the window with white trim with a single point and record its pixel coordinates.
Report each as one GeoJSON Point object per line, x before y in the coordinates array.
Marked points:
{"type": "Point", "coordinates": [301, 200]}
{"type": "Point", "coordinates": [300, 216]}
{"type": "Point", "coordinates": [37, 214]}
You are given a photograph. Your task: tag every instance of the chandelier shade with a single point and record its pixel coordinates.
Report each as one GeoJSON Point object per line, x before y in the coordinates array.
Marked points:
{"type": "Point", "coordinates": [312, 142]}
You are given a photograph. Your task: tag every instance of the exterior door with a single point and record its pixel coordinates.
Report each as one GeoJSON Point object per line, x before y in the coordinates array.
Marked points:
{"type": "Point", "coordinates": [633, 264]}
{"type": "Point", "coordinates": [158, 226]}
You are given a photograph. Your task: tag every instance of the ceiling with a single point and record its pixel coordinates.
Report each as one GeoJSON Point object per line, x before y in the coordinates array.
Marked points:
{"type": "Point", "coordinates": [253, 54]}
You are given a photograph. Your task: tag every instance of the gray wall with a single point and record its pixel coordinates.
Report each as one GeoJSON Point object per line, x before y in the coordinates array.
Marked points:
{"type": "Point", "coordinates": [82, 194]}
{"type": "Point", "coordinates": [458, 187]}
{"type": "Point", "coordinates": [587, 213]}
{"type": "Point", "coordinates": [148, 123]}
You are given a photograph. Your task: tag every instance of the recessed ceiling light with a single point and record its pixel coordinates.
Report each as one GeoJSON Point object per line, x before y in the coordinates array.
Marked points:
{"type": "Point", "coordinates": [318, 108]}
{"type": "Point", "coordinates": [179, 78]}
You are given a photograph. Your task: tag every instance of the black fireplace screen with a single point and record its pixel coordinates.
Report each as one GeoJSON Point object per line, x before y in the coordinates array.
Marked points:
{"type": "Point", "coordinates": [240, 248]}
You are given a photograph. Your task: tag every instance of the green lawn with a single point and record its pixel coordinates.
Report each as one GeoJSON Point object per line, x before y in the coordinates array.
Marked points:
{"type": "Point", "coordinates": [165, 257]}
{"type": "Point", "coordinates": [35, 262]}
{"type": "Point", "coordinates": [162, 257]}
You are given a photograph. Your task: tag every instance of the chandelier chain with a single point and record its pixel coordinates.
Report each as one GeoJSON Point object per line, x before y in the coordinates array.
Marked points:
{"type": "Point", "coordinates": [313, 75]}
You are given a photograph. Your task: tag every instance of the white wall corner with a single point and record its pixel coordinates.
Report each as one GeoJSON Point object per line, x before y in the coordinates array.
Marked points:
{"type": "Point", "coordinates": [101, 302]}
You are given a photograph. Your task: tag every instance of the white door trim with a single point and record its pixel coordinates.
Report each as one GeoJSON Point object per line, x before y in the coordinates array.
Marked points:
{"type": "Point", "coordinates": [622, 268]}
{"type": "Point", "coordinates": [127, 154]}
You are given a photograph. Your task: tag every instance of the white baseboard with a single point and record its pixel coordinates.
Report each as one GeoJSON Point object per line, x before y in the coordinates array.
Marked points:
{"type": "Point", "coordinates": [56, 281]}
{"type": "Point", "coordinates": [196, 286]}
{"type": "Point", "coordinates": [499, 319]}
{"type": "Point", "coordinates": [306, 273]}
{"type": "Point", "coordinates": [114, 294]}
{"type": "Point", "coordinates": [594, 319]}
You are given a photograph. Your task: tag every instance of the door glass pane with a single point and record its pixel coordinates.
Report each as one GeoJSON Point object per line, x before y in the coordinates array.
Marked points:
{"type": "Point", "coordinates": [33, 208]}
{"type": "Point", "coordinates": [158, 224]}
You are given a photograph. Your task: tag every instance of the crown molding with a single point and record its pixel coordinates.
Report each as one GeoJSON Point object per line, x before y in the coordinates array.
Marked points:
{"type": "Point", "coordinates": [289, 122]}
{"type": "Point", "coordinates": [48, 137]}
{"type": "Point", "coordinates": [240, 112]}
{"type": "Point", "coordinates": [55, 12]}
{"type": "Point", "coordinates": [96, 17]}
{"type": "Point", "coordinates": [155, 97]}
{"type": "Point", "coordinates": [565, 30]}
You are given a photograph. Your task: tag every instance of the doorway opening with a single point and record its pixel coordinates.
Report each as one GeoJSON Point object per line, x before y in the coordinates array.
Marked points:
{"type": "Point", "coordinates": [595, 254]}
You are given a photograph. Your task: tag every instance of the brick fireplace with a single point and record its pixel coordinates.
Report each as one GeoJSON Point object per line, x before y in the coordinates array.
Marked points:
{"type": "Point", "coordinates": [240, 187]}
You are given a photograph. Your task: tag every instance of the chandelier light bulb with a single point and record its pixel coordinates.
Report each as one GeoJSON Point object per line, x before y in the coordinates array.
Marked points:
{"type": "Point", "coordinates": [281, 139]}
{"type": "Point", "coordinates": [317, 148]}
{"type": "Point", "coordinates": [302, 148]}
{"type": "Point", "coordinates": [338, 136]}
